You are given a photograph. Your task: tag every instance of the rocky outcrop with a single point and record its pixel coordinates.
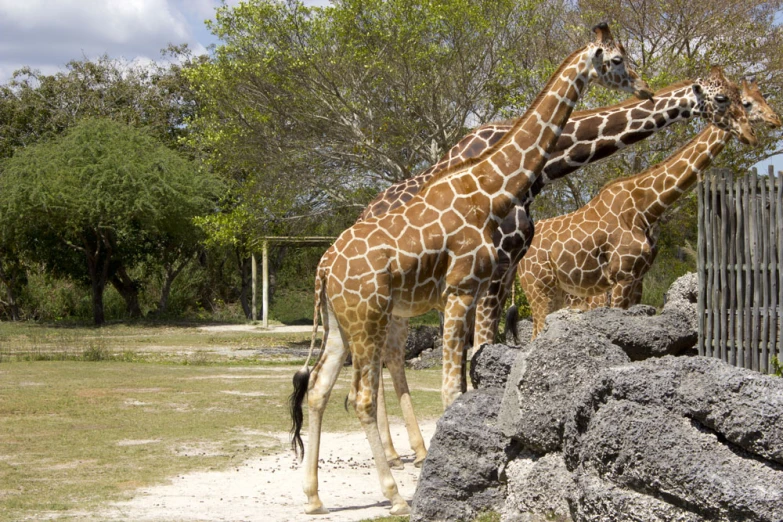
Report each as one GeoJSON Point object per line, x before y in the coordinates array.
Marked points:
{"type": "Point", "coordinates": [420, 338]}
{"type": "Point", "coordinates": [594, 434]}
{"type": "Point", "coordinates": [463, 474]}
{"type": "Point", "coordinates": [543, 381]}
{"type": "Point", "coordinates": [538, 488]}
{"type": "Point", "coordinates": [491, 364]}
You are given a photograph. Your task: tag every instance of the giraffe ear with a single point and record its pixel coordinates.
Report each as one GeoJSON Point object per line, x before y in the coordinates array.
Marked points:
{"type": "Point", "coordinates": [717, 72]}
{"type": "Point", "coordinates": [602, 32]}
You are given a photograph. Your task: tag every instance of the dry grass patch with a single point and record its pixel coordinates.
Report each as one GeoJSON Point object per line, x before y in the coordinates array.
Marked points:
{"type": "Point", "coordinates": [76, 434]}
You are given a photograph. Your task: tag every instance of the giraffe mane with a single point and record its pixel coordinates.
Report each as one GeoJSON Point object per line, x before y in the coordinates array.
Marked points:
{"type": "Point", "coordinates": [589, 112]}
{"type": "Point", "coordinates": [517, 123]}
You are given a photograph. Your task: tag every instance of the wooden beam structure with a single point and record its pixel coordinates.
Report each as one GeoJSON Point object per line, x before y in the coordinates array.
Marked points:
{"type": "Point", "coordinates": [264, 242]}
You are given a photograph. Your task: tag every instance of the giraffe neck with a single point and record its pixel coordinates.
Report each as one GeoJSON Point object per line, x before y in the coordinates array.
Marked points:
{"type": "Point", "coordinates": [594, 135]}
{"type": "Point", "coordinates": [656, 189]}
{"type": "Point", "coordinates": [508, 170]}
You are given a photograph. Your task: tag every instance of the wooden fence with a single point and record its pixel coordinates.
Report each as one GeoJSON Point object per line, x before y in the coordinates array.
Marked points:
{"type": "Point", "coordinates": [740, 252]}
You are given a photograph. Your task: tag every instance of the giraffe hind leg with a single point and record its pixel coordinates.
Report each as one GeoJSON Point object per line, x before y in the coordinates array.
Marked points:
{"type": "Point", "coordinates": [367, 367]}
{"type": "Point", "coordinates": [322, 379]}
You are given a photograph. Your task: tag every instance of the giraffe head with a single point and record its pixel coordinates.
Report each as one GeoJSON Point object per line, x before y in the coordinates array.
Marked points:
{"type": "Point", "coordinates": [758, 109]}
{"type": "Point", "coordinates": [610, 65]}
{"type": "Point", "coordinates": [720, 101]}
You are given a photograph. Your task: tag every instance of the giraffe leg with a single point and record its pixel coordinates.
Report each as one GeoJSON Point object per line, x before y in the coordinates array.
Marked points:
{"type": "Point", "coordinates": [322, 380]}
{"type": "Point", "coordinates": [459, 313]}
{"type": "Point", "coordinates": [622, 293]}
{"type": "Point", "coordinates": [395, 362]}
{"type": "Point", "coordinates": [366, 370]}
{"type": "Point", "coordinates": [392, 457]}
{"type": "Point", "coordinates": [512, 240]}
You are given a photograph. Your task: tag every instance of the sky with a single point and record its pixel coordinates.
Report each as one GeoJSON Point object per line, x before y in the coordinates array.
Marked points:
{"type": "Point", "coordinates": [46, 34]}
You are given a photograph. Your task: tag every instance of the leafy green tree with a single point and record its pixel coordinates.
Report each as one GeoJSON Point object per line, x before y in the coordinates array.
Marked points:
{"type": "Point", "coordinates": [99, 197]}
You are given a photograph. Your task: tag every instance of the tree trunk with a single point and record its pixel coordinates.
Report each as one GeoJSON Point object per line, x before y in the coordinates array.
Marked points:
{"type": "Point", "coordinates": [98, 316]}
{"type": "Point", "coordinates": [129, 290]}
{"type": "Point", "coordinates": [247, 280]}
{"type": "Point", "coordinates": [171, 274]}
{"type": "Point", "coordinates": [9, 283]}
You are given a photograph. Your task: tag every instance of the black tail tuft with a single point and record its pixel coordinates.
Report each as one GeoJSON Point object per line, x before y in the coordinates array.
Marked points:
{"type": "Point", "coordinates": [301, 380]}
{"type": "Point", "coordinates": [512, 316]}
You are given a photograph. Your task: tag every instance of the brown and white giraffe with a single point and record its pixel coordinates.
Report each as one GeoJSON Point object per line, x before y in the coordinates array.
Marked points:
{"type": "Point", "coordinates": [436, 252]}
{"type": "Point", "coordinates": [759, 113]}
{"type": "Point", "coordinates": [589, 136]}
{"type": "Point", "coordinates": [606, 244]}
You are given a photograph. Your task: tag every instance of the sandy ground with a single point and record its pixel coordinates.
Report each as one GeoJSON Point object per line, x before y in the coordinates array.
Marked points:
{"type": "Point", "coordinates": [270, 488]}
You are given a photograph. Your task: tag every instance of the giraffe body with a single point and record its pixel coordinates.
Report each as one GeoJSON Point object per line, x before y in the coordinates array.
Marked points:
{"type": "Point", "coordinates": [436, 251]}
{"type": "Point", "coordinates": [759, 113]}
{"type": "Point", "coordinates": [609, 244]}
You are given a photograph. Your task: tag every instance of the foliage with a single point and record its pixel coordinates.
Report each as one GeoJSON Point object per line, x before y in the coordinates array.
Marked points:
{"type": "Point", "coordinates": [103, 193]}
{"type": "Point", "coordinates": [777, 367]}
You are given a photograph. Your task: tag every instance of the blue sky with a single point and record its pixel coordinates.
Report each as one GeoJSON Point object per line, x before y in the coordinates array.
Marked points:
{"type": "Point", "coordinates": [46, 34]}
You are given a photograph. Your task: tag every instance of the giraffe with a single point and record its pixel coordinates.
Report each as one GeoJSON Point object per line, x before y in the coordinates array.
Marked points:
{"type": "Point", "coordinates": [589, 136]}
{"type": "Point", "coordinates": [436, 252]}
{"type": "Point", "coordinates": [606, 244]}
{"type": "Point", "coordinates": [759, 113]}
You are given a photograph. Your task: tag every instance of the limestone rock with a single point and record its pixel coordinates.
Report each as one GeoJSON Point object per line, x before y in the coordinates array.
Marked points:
{"type": "Point", "coordinates": [542, 383]}
{"type": "Point", "coordinates": [491, 364]}
{"type": "Point", "coordinates": [538, 487]}
{"type": "Point", "coordinates": [464, 472]}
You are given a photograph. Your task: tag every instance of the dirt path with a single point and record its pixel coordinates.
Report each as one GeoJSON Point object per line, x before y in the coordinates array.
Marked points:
{"type": "Point", "coordinates": [270, 488]}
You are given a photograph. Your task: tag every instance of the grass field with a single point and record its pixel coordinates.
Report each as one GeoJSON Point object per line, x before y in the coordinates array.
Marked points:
{"type": "Point", "coordinates": [87, 415]}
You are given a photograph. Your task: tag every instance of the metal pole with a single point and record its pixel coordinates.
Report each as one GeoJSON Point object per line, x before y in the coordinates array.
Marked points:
{"type": "Point", "coordinates": [265, 276]}
{"type": "Point", "coordinates": [254, 274]}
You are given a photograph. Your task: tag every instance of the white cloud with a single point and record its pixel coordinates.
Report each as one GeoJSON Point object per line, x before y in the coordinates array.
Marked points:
{"type": "Point", "coordinates": [48, 34]}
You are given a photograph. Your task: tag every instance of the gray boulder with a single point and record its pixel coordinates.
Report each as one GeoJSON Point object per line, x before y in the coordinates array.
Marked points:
{"type": "Point", "coordinates": [491, 364]}
{"type": "Point", "coordinates": [524, 333]}
{"type": "Point", "coordinates": [538, 487]}
{"type": "Point", "coordinates": [538, 397]}
{"type": "Point", "coordinates": [420, 338]}
{"type": "Point", "coordinates": [641, 333]}
{"type": "Point", "coordinates": [683, 296]}
{"type": "Point", "coordinates": [428, 358]}
{"type": "Point", "coordinates": [464, 472]}
{"type": "Point", "coordinates": [742, 406]}
{"type": "Point", "coordinates": [595, 499]}
{"type": "Point", "coordinates": [653, 451]}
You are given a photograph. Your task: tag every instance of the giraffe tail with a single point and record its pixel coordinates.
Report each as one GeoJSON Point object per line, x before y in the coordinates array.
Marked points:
{"type": "Point", "coordinates": [301, 378]}
{"type": "Point", "coordinates": [512, 316]}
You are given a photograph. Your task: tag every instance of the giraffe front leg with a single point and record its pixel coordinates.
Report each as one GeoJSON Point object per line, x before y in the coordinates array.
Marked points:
{"type": "Point", "coordinates": [366, 371]}
{"type": "Point", "coordinates": [623, 293]}
{"type": "Point", "coordinates": [459, 315]}
{"type": "Point", "coordinates": [512, 240]}
{"type": "Point", "coordinates": [395, 362]}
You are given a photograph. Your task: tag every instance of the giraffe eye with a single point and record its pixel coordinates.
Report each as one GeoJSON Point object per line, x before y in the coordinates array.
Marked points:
{"type": "Point", "coordinates": [747, 104]}
{"type": "Point", "coordinates": [720, 98]}
{"type": "Point", "coordinates": [617, 60]}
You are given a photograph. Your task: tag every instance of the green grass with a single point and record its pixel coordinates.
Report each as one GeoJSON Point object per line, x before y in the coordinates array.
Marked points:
{"type": "Point", "coordinates": [75, 434]}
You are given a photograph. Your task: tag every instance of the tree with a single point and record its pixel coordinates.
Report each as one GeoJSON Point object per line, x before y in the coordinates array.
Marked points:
{"type": "Point", "coordinates": [103, 192]}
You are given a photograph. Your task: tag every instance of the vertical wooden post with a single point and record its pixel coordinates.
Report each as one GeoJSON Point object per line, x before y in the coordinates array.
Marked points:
{"type": "Point", "coordinates": [254, 283]}
{"type": "Point", "coordinates": [701, 261]}
{"type": "Point", "coordinates": [265, 276]}
{"type": "Point", "coordinates": [731, 305]}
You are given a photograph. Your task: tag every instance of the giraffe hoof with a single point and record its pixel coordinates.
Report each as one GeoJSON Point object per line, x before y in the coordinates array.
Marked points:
{"type": "Point", "coordinates": [400, 509]}
{"type": "Point", "coordinates": [316, 509]}
{"type": "Point", "coordinates": [419, 461]}
{"type": "Point", "coordinates": [396, 464]}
